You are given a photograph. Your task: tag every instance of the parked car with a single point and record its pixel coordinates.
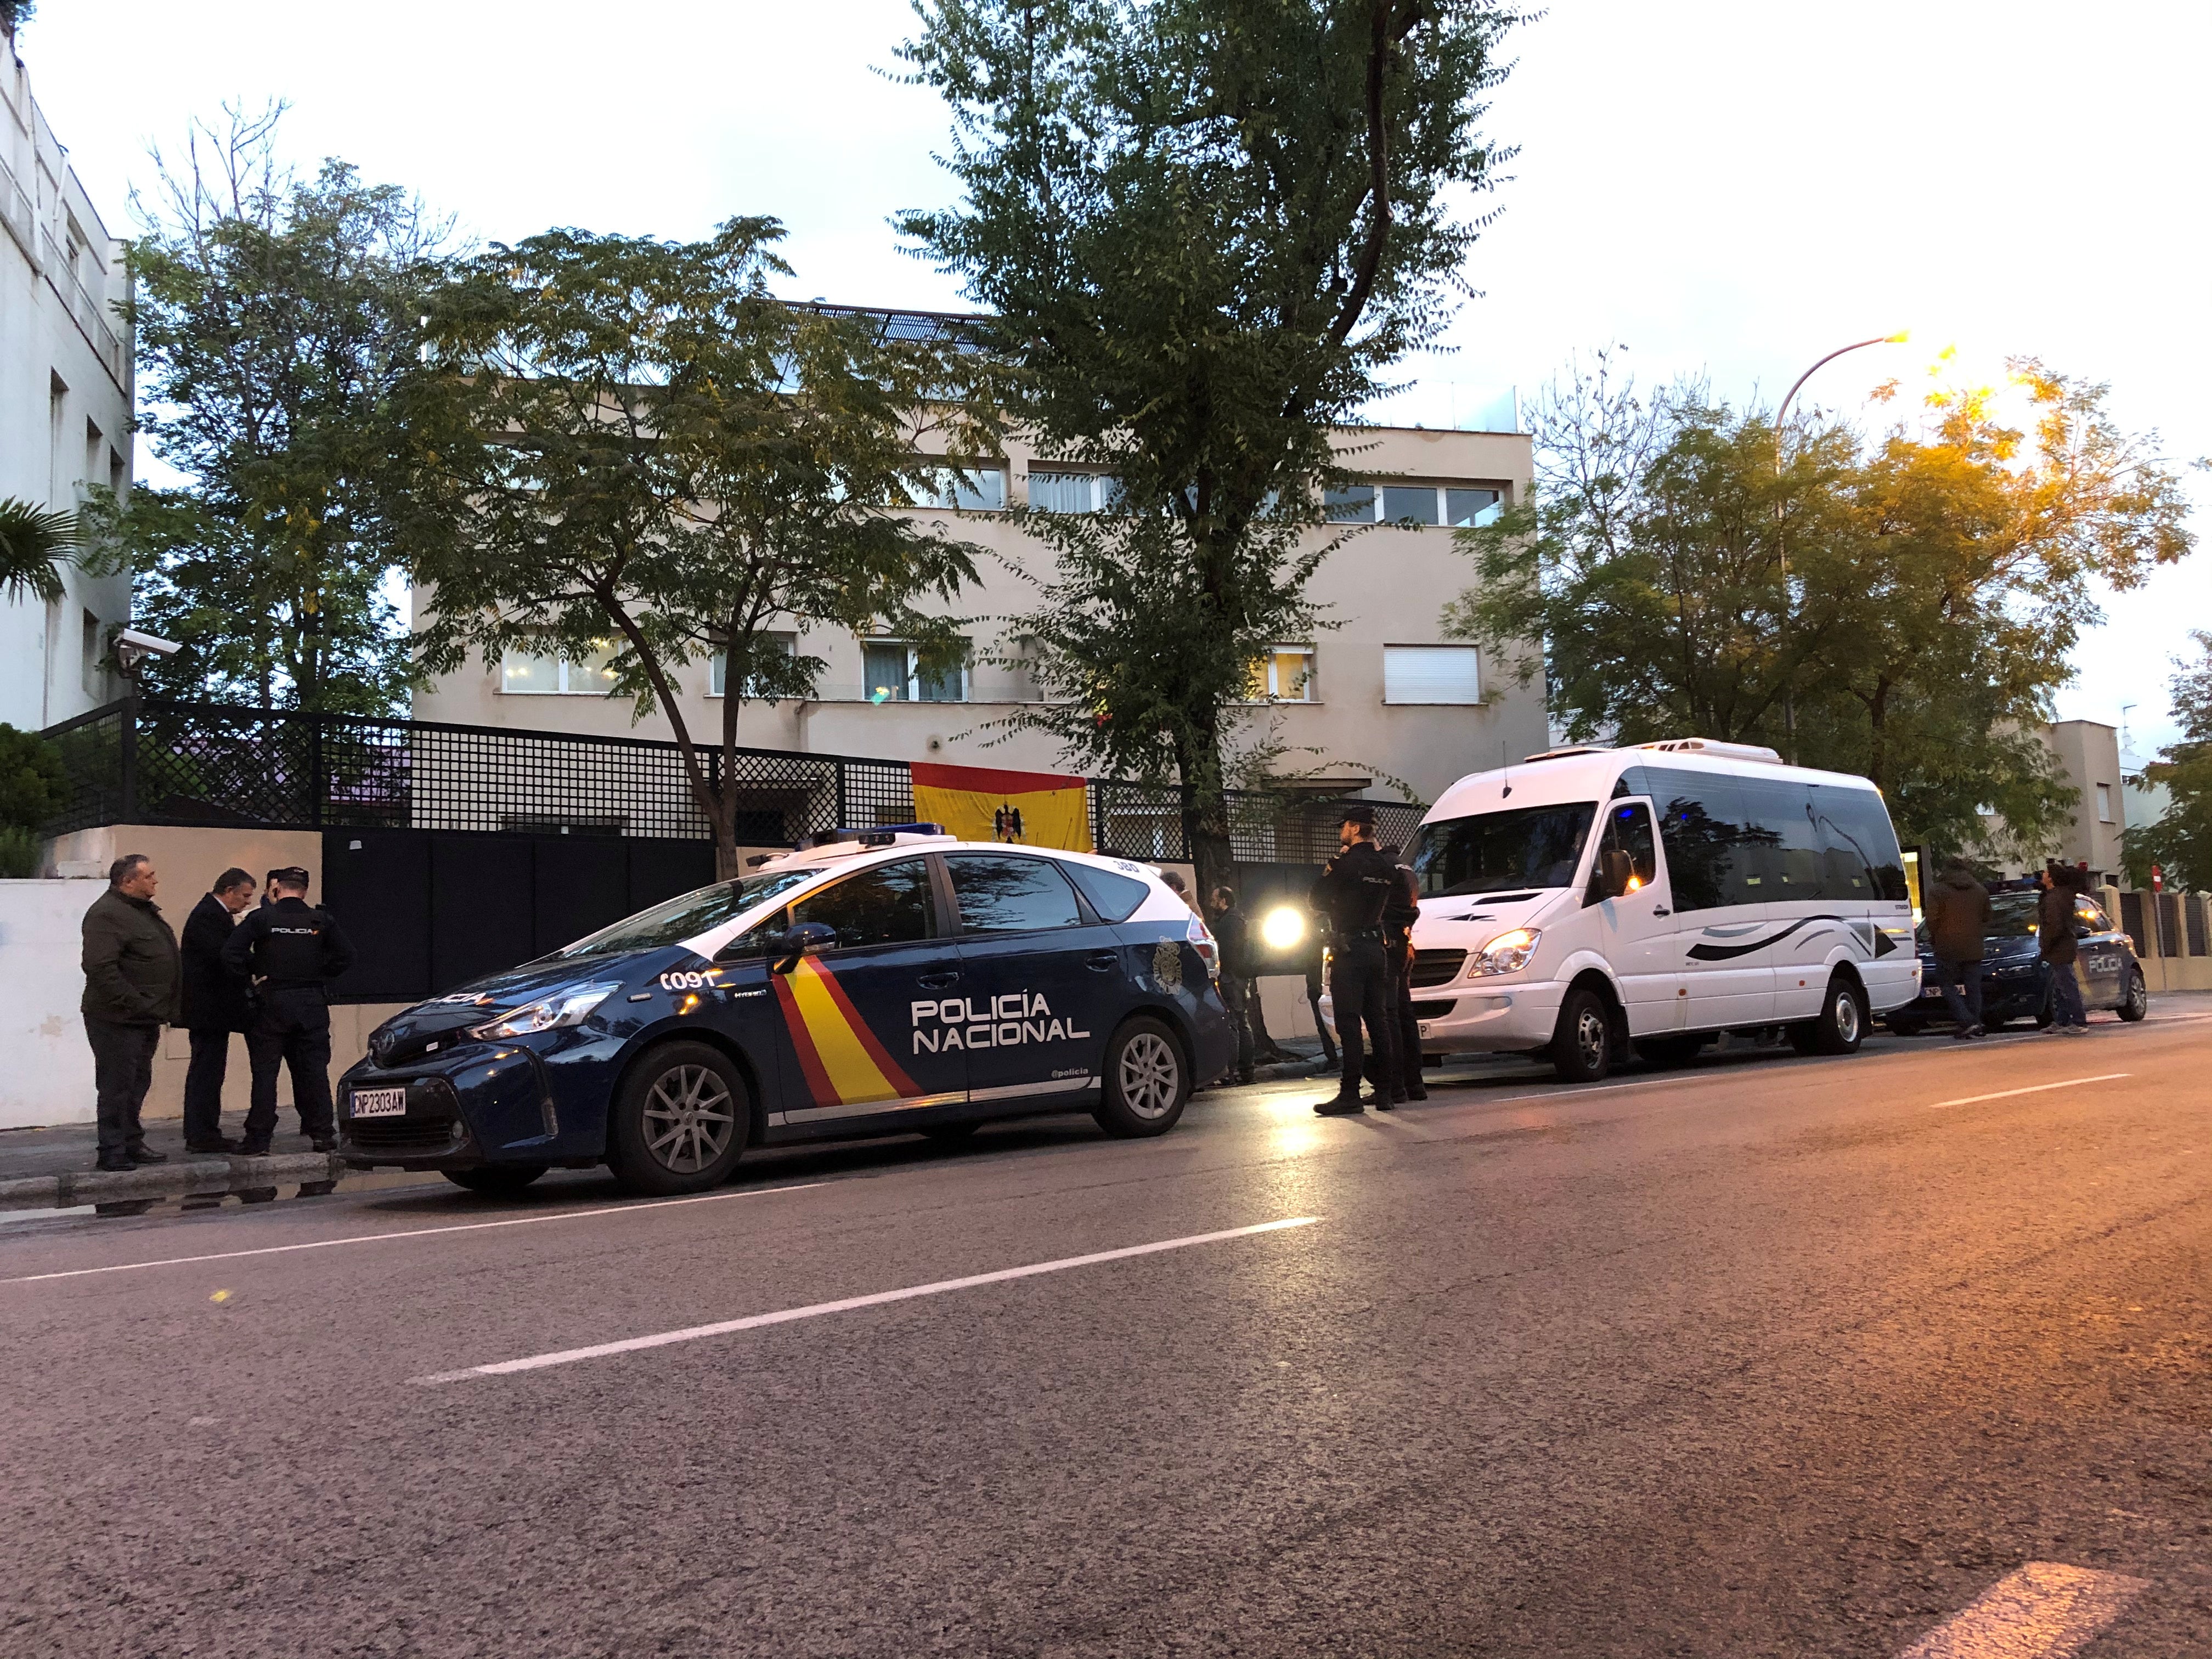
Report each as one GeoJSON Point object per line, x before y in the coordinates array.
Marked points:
{"type": "Point", "coordinates": [2016, 984]}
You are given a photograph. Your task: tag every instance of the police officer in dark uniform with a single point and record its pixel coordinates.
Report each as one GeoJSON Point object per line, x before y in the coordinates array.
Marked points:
{"type": "Point", "coordinates": [1350, 893]}
{"type": "Point", "coordinates": [290, 951]}
{"type": "Point", "coordinates": [1400, 912]}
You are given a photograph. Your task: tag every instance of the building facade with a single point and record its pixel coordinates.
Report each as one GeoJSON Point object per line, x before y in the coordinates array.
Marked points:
{"type": "Point", "coordinates": [1374, 700]}
{"type": "Point", "coordinates": [65, 402]}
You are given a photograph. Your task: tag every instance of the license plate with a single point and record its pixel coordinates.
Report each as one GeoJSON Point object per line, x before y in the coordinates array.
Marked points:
{"type": "Point", "coordinates": [1425, 1028]}
{"type": "Point", "coordinates": [380, 1103]}
{"type": "Point", "coordinates": [1931, 990]}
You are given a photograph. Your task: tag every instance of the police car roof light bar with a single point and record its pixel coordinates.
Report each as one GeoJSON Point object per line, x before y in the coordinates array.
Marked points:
{"type": "Point", "coordinates": [880, 834]}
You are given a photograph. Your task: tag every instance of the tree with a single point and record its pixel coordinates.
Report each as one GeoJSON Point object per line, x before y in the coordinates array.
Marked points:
{"type": "Point", "coordinates": [1936, 578]}
{"type": "Point", "coordinates": [275, 317]}
{"type": "Point", "coordinates": [34, 544]}
{"type": "Point", "coordinates": [1203, 228]}
{"type": "Point", "coordinates": [2180, 842]}
{"type": "Point", "coordinates": [637, 442]}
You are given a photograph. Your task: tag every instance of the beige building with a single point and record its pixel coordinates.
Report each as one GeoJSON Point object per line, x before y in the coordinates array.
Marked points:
{"type": "Point", "coordinates": [65, 401]}
{"type": "Point", "coordinates": [1373, 696]}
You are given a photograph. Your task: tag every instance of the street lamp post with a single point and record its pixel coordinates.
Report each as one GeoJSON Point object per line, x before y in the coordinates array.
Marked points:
{"type": "Point", "coordinates": [1782, 551]}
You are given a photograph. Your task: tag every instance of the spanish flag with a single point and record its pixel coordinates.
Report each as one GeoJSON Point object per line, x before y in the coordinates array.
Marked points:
{"type": "Point", "coordinates": [1026, 808]}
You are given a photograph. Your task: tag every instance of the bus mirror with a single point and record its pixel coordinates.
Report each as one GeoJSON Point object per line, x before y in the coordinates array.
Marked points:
{"type": "Point", "coordinates": [1616, 870]}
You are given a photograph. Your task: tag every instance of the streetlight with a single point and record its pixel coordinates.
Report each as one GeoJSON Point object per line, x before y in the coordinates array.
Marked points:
{"type": "Point", "coordinates": [1781, 551]}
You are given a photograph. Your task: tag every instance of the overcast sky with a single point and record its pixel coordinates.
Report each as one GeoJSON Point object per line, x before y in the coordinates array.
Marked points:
{"type": "Point", "coordinates": [1735, 188]}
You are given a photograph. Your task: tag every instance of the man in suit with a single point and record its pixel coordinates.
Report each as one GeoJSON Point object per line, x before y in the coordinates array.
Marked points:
{"type": "Point", "coordinates": [214, 1008]}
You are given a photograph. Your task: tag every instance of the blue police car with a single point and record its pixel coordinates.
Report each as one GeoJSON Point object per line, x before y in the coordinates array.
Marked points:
{"type": "Point", "coordinates": [881, 981]}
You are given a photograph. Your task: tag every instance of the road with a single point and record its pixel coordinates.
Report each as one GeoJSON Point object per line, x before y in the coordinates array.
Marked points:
{"type": "Point", "coordinates": [1771, 1356]}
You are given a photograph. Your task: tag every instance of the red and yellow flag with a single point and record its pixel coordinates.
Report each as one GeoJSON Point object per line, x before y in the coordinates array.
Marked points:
{"type": "Point", "coordinates": [1025, 809]}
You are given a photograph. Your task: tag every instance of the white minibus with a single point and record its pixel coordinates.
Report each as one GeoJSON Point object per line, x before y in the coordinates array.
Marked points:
{"type": "Point", "coordinates": [1588, 901]}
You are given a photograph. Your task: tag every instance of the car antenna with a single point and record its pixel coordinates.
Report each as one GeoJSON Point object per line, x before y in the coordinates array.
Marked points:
{"type": "Point", "coordinates": [1503, 761]}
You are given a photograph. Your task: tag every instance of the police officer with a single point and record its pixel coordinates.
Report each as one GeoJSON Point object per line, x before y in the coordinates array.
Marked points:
{"type": "Point", "coordinates": [290, 951]}
{"type": "Point", "coordinates": [1400, 912]}
{"type": "Point", "coordinates": [1350, 893]}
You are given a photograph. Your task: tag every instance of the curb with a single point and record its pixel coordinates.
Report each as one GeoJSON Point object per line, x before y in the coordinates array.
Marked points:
{"type": "Point", "coordinates": [190, 1175]}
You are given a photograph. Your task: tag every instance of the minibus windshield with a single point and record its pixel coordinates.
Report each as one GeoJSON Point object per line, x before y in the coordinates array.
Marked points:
{"type": "Point", "coordinates": [1494, 852]}
{"type": "Point", "coordinates": [686, 914]}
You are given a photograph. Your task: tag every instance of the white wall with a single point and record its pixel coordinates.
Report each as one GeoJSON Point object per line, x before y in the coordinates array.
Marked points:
{"type": "Point", "coordinates": [60, 275]}
{"type": "Point", "coordinates": [45, 1069]}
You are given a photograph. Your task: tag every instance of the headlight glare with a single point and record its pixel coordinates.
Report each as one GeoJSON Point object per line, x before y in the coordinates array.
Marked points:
{"type": "Point", "coordinates": [1508, 953]}
{"type": "Point", "coordinates": [1282, 928]}
{"type": "Point", "coordinates": [569, 1007]}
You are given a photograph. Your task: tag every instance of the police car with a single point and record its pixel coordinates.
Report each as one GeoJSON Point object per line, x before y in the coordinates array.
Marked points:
{"type": "Point", "coordinates": [879, 981]}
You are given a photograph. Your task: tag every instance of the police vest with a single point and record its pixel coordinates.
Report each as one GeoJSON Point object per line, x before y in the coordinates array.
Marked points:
{"type": "Point", "coordinates": [290, 949]}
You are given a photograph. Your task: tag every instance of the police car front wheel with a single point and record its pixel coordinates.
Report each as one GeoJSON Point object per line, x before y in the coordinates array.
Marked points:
{"type": "Point", "coordinates": [680, 1121]}
{"type": "Point", "coordinates": [1147, 1080]}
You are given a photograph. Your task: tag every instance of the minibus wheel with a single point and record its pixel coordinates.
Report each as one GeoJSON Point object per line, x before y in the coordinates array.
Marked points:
{"type": "Point", "coordinates": [1841, 1026]}
{"type": "Point", "coordinates": [1582, 1043]}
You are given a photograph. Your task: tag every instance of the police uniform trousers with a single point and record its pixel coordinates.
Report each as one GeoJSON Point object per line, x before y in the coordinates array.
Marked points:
{"type": "Point", "coordinates": [1359, 991]}
{"type": "Point", "coordinates": [1237, 995]}
{"type": "Point", "coordinates": [292, 1030]}
{"type": "Point", "coordinates": [1406, 1028]}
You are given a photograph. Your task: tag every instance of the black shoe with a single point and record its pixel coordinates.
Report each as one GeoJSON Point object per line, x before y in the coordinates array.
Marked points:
{"type": "Point", "coordinates": [1243, 1077]}
{"type": "Point", "coordinates": [1342, 1106]}
{"type": "Point", "coordinates": [1417, 1094]}
{"type": "Point", "coordinates": [253, 1148]}
{"type": "Point", "coordinates": [142, 1153]}
{"type": "Point", "coordinates": [1386, 1105]}
{"type": "Point", "coordinates": [324, 1143]}
{"type": "Point", "coordinates": [114, 1164]}
{"type": "Point", "coordinates": [222, 1146]}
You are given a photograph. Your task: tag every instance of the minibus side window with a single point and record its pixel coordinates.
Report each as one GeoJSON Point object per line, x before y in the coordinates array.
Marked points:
{"type": "Point", "coordinates": [1858, 846]}
{"type": "Point", "coordinates": [1709, 846]}
{"type": "Point", "coordinates": [1786, 851]}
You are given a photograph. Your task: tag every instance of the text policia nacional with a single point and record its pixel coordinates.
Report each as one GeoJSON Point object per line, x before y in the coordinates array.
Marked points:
{"type": "Point", "coordinates": [1003, 1021]}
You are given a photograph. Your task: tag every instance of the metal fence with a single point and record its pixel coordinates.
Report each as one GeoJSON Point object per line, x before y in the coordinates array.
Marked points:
{"type": "Point", "coordinates": [158, 760]}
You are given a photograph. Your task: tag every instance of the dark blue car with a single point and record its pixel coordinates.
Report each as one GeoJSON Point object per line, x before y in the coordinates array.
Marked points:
{"type": "Point", "coordinates": [2015, 984]}
{"type": "Point", "coordinates": [885, 981]}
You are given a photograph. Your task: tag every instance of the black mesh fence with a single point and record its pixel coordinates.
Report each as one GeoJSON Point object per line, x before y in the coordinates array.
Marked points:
{"type": "Point", "coordinates": [156, 760]}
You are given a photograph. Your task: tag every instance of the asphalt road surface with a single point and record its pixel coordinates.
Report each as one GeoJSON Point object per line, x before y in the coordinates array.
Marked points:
{"type": "Point", "coordinates": [1769, 1355]}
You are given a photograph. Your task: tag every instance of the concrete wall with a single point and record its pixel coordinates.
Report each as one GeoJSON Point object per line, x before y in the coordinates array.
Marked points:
{"type": "Point", "coordinates": [1386, 585]}
{"type": "Point", "coordinates": [45, 1069]}
{"type": "Point", "coordinates": [66, 373]}
{"type": "Point", "coordinates": [187, 859]}
{"type": "Point", "coordinates": [2088, 753]}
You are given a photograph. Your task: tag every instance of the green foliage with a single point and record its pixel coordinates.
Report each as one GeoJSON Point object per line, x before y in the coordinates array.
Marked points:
{"type": "Point", "coordinates": [32, 781]}
{"type": "Point", "coordinates": [22, 854]}
{"type": "Point", "coordinates": [2180, 842]}
{"type": "Point", "coordinates": [34, 544]}
{"type": "Point", "coordinates": [1203, 227]}
{"type": "Point", "coordinates": [1901, 607]}
{"type": "Point", "coordinates": [276, 316]}
{"type": "Point", "coordinates": [636, 442]}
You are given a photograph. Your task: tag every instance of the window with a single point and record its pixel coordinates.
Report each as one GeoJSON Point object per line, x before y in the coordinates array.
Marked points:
{"type": "Point", "coordinates": [1734, 839]}
{"type": "Point", "coordinates": [2104, 803]}
{"type": "Point", "coordinates": [96, 443]}
{"type": "Point", "coordinates": [1431, 674]}
{"type": "Point", "coordinates": [891, 672]}
{"type": "Point", "coordinates": [1784, 849]}
{"type": "Point", "coordinates": [1074, 492]}
{"type": "Point", "coordinates": [525, 675]}
{"type": "Point", "coordinates": [1452, 505]}
{"type": "Point", "coordinates": [1522, 847]}
{"type": "Point", "coordinates": [718, 665]}
{"type": "Point", "coordinates": [887, 905]}
{"type": "Point", "coordinates": [116, 478]}
{"type": "Point", "coordinates": [1007, 894]}
{"type": "Point", "coordinates": [1115, 897]}
{"type": "Point", "coordinates": [92, 676]}
{"type": "Point", "coordinates": [1627, 831]}
{"type": "Point", "coordinates": [970, 489]}
{"type": "Point", "coordinates": [1283, 674]}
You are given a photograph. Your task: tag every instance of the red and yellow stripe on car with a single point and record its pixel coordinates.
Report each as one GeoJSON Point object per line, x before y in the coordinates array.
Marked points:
{"type": "Point", "coordinates": [844, 1063]}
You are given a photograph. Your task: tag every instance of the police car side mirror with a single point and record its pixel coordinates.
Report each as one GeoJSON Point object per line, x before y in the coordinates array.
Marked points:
{"type": "Point", "coordinates": [802, 941]}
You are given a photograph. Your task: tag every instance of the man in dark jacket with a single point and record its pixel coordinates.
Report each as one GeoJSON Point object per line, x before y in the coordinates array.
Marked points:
{"type": "Point", "coordinates": [130, 993]}
{"type": "Point", "coordinates": [1958, 923]}
{"type": "Point", "coordinates": [291, 951]}
{"type": "Point", "coordinates": [214, 1008]}
{"type": "Point", "coordinates": [1351, 892]}
{"type": "Point", "coordinates": [1399, 913]}
{"type": "Point", "coordinates": [2055, 945]}
{"type": "Point", "coordinates": [1233, 934]}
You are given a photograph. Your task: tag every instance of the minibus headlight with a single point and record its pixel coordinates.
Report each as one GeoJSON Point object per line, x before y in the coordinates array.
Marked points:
{"type": "Point", "coordinates": [569, 1007]}
{"type": "Point", "coordinates": [1508, 953]}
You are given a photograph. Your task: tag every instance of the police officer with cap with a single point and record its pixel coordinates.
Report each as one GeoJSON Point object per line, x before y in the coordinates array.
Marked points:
{"type": "Point", "coordinates": [290, 951]}
{"type": "Point", "coordinates": [1352, 893]}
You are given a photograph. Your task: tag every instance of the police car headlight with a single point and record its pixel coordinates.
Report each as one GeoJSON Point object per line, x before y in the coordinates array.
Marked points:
{"type": "Point", "coordinates": [568, 1008]}
{"type": "Point", "coordinates": [1508, 953]}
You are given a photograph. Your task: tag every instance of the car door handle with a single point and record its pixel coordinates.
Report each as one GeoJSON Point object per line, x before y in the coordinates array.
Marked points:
{"type": "Point", "coordinates": [1102, 961]}
{"type": "Point", "coordinates": [939, 982]}
{"type": "Point", "coordinates": [1661, 910]}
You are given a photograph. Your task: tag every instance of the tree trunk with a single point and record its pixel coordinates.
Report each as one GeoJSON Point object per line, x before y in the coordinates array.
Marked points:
{"type": "Point", "coordinates": [1205, 806]}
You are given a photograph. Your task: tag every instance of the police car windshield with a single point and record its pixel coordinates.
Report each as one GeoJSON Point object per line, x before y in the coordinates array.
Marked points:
{"type": "Point", "coordinates": [1494, 852]}
{"type": "Point", "coordinates": [687, 914]}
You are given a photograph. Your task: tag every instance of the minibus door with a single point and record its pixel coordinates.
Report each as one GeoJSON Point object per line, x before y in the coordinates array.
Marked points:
{"type": "Point", "coordinates": [1626, 902]}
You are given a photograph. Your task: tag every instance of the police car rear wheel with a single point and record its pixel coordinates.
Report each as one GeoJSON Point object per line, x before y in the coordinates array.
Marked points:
{"type": "Point", "coordinates": [497, 1180]}
{"type": "Point", "coordinates": [680, 1121]}
{"type": "Point", "coordinates": [1147, 1081]}
{"type": "Point", "coordinates": [2136, 1003]}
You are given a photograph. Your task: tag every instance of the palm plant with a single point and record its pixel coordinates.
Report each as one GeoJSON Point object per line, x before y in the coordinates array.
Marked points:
{"type": "Point", "coordinates": [34, 545]}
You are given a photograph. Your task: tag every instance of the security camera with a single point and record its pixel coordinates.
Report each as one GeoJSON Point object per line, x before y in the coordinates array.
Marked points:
{"type": "Point", "coordinates": [133, 643]}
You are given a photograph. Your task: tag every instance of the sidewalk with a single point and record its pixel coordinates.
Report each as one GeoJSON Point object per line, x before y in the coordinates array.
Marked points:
{"type": "Point", "coordinates": [42, 1167]}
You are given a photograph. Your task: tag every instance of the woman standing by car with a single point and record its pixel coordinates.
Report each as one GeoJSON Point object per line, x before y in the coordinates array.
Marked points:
{"type": "Point", "coordinates": [2054, 933]}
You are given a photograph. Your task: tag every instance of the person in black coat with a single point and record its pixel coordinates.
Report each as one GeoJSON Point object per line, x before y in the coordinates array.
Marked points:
{"type": "Point", "coordinates": [290, 951]}
{"type": "Point", "coordinates": [1353, 891]}
{"type": "Point", "coordinates": [214, 1007]}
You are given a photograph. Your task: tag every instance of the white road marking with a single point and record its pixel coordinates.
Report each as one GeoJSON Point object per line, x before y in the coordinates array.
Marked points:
{"type": "Point", "coordinates": [412, 1233]}
{"type": "Point", "coordinates": [815, 1310]}
{"type": "Point", "coordinates": [2031, 1088]}
{"type": "Point", "coordinates": [2047, 1610]}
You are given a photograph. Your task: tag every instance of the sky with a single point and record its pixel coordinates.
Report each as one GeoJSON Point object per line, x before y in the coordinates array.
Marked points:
{"type": "Point", "coordinates": [1716, 186]}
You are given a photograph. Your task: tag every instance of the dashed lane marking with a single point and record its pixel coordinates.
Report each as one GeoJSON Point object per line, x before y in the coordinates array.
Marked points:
{"type": "Point", "coordinates": [413, 1232]}
{"type": "Point", "coordinates": [2031, 1088]}
{"type": "Point", "coordinates": [815, 1310]}
{"type": "Point", "coordinates": [2047, 1610]}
